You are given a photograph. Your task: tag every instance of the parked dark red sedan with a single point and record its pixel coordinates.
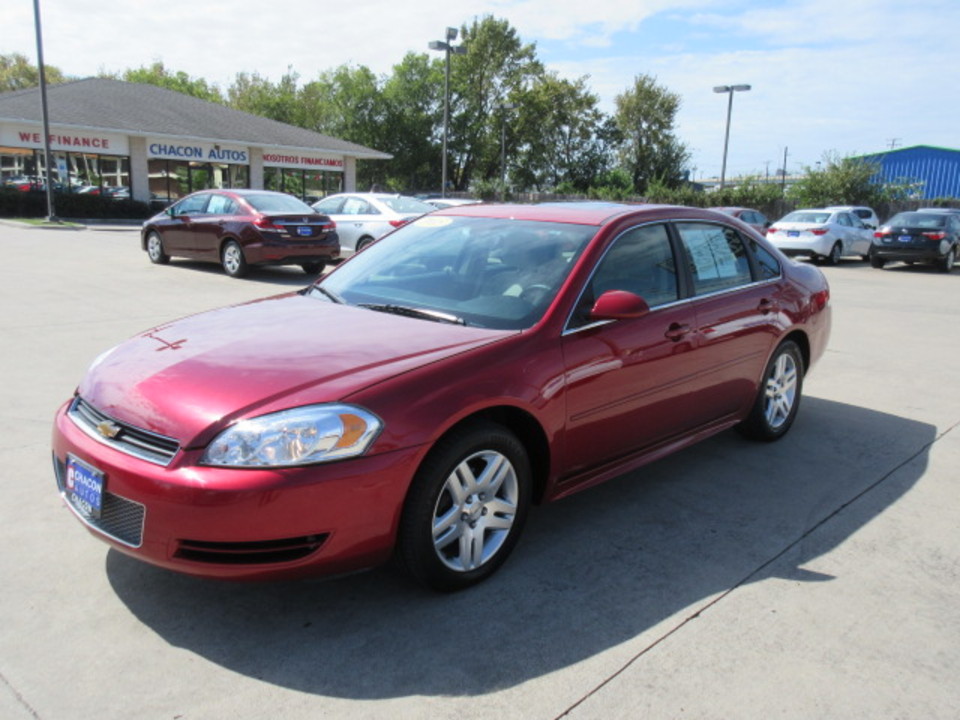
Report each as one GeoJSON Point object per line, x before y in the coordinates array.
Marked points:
{"type": "Point", "coordinates": [419, 398]}
{"type": "Point", "coordinates": [240, 228]}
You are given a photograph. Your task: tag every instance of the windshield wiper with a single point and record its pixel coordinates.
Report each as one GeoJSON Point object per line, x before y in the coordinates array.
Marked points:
{"type": "Point", "coordinates": [415, 313]}
{"type": "Point", "coordinates": [328, 293]}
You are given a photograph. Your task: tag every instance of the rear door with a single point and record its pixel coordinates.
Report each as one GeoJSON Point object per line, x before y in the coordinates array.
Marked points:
{"type": "Point", "coordinates": [208, 229]}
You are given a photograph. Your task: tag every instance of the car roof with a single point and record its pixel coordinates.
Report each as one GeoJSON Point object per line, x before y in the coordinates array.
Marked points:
{"type": "Point", "coordinates": [580, 213]}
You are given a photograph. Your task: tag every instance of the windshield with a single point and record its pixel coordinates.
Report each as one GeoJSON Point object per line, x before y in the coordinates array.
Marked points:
{"type": "Point", "coordinates": [485, 272]}
{"type": "Point", "coordinates": [805, 216]}
{"type": "Point", "coordinates": [401, 204]}
{"type": "Point", "coordinates": [278, 203]}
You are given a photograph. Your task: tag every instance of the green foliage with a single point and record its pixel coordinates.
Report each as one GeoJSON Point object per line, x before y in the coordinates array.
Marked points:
{"type": "Point", "coordinates": [845, 181]}
{"type": "Point", "coordinates": [649, 150]}
{"type": "Point", "coordinates": [615, 184]}
{"type": "Point", "coordinates": [18, 73]}
{"type": "Point", "coordinates": [258, 96]}
{"type": "Point", "coordinates": [178, 81]}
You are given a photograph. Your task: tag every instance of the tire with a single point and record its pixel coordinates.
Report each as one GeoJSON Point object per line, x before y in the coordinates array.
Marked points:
{"type": "Point", "coordinates": [313, 268]}
{"type": "Point", "coordinates": [466, 507]}
{"type": "Point", "coordinates": [945, 264]}
{"type": "Point", "coordinates": [835, 252]}
{"type": "Point", "coordinates": [363, 242]}
{"type": "Point", "coordinates": [155, 249]}
{"type": "Point", "coordinates": [778, 397]}
{"type": "Point", "coordinates": [233, 261]}
{"type": "Point", "coordinates": [876, 261]}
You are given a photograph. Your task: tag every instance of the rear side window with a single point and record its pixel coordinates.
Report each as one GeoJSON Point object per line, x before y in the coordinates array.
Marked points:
{"type": "Point", "coordinates": [767, 265]}
{"type": "Point", "coordinates": [717, 256]}
{"type": "Point", "coordinates": [221, 205]}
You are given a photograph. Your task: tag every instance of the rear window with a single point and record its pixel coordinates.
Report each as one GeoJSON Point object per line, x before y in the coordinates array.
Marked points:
{"type": "Point", "coordinates": [807, 217]}
{"type": "Point", "coordinates": [277, 203]}
{"type": "Point", "coordinates": [918, 220]}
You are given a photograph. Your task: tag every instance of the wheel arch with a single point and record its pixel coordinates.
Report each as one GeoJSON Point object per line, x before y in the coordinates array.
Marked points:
{"type": "Point", "coordinates": [803, 342]}
{"type": "Point", "coordinates": [529, 432]}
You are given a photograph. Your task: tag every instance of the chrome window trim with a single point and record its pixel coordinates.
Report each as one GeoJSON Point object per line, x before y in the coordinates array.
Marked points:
{"type": "Point", "coordinates": [567, 330]}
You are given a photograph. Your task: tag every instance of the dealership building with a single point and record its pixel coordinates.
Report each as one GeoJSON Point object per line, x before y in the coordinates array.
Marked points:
{"type": "Point", "coordinates": [150, 143]}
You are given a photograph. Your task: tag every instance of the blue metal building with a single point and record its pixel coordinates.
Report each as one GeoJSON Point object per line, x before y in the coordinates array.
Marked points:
{"type": "Point", "coordinates": [934, 171]}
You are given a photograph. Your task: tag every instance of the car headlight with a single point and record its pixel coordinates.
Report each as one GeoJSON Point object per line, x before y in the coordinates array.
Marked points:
{"type": "Point", "coordinates": [301, 436]}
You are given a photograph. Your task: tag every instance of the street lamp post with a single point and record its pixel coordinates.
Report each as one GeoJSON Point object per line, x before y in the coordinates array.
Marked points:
{"type": "Point", "coordinates": [47, 155]}
{"type": "Point", "coordinates": [730, 90]}
{"type": "Point", "coordinates": [447, 48]}
{"type": "Point", "coordinates": [504, 107]}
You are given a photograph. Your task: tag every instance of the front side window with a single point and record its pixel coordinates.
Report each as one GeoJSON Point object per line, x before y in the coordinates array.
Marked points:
{"type": "Point", "coordinates": [717, 257]}
{"type": "Point", "coordinates": [193, 205]}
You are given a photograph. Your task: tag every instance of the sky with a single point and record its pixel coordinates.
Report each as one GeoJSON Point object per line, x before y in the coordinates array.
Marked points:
{"type": "Point", "coordinates": [828, 77]}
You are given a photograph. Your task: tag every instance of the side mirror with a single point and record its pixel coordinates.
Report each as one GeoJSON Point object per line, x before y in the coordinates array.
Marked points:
{"type": "Point", "coordinates": [619, 305]}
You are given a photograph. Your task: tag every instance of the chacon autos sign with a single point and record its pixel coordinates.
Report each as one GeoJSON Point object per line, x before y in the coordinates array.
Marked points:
{"type": "Point", "coordinates": [197, 152]}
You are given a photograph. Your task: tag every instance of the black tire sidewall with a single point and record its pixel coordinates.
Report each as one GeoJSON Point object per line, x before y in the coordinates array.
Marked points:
{"type": "Point", "coordinates": [415, 547]}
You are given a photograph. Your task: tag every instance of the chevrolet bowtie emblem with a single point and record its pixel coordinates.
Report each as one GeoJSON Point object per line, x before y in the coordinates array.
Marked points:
{"type": "Point", "coordinates": [108, 429]}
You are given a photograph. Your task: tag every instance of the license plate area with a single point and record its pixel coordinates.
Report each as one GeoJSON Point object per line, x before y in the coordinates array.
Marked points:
{"type": "Point", "coordinates": [304, 231]}
{"type": "Point", "coordinates": [84, 487]}
{"type": "Point", "coordinates": [793, 233]}
{"type": "Point", "coordinates": [905, 239]}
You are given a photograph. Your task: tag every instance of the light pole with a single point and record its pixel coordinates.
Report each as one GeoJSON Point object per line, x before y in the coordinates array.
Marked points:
{"type": "Point", "coordinates": [730, 90]}
{"type": "Point", "coordinates": [447, 48]}
{"type": "Point", "coordinates": [504, 107]}
{"type": "Point", "coordinates": [47, 155]}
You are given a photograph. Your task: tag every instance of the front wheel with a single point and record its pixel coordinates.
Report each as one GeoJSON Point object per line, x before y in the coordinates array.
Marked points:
{"type": "Point", "coordinates": [234, 263]}
{"type": "Point", "coordinates": [155, 249]}
{"type": "Point", "coordinates": [466, 507]}
{"type": "Point", "coordinates": [778, 397]}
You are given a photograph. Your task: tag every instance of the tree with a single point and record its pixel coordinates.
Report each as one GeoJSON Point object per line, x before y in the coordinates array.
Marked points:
{"type": "Point", "coordinates": [18, 73]}
{"type": "Point", "coordinates": [845, 181]}
{"type": "Point", "coordinates": [258, 96]}
{"type": "Point", "coordinates": [178, 81]}
{"type": "Point", "coordinates": [649, 150]}
{"type": "Point", "coordinates": [498, 67]}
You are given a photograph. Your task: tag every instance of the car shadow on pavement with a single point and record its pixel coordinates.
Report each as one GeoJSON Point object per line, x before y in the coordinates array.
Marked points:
{"type": "Point", "coordinates": [269, 275]}
{"type": "Point", "coordinates": [625, 562]}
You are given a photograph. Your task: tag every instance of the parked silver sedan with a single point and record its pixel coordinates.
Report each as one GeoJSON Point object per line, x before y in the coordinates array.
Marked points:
{"type": "Point", "coordinates": [823, 235]}
{"type": "Point", "coordinates": [362, 218]}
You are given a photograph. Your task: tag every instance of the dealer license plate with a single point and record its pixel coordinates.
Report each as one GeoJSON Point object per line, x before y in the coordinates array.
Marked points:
{"type": "Point", "coordinates": [793, 233]}
{"type": "Point", "coordinates": [906, 238]}
{"type": "Point", "coordinates": [84, 487]}
{"type": "Point", "coordinates": [304, 230]}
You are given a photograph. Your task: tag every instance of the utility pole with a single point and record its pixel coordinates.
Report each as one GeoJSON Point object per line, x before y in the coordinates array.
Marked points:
{"type": "Point", "coordinates": [47, 155]}
{"type": "Point", "coordinates": [783, 182]}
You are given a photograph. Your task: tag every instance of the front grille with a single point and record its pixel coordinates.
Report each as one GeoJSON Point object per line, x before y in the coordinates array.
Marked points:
{"type": "Point", "coordinates": [120, 518]}
{"type": "Point", "coordinates": [126, 438]}
{"type": "Point", "coordinates": [249, 553]}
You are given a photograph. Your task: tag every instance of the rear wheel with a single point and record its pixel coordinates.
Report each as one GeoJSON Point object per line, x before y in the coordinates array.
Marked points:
{"type": "Point", "coordinates": [945, 264]}
{"type": "Point", "coordinates": [466, 507]}
{"type": "Point", "coordinates": [155, 249]}
{"type": "Point", "coordinates": [312, 268]}
{"type": "Point", "coordinates": [363, 242]}
{"type": "Point", "coordinates": [234, 263]}
{"type": "Point", "coordinates": [778, 397]}
{"type": "Point", "coordinates": [876, 261]}
{"type": "Point", "coordinates": [835, 252]}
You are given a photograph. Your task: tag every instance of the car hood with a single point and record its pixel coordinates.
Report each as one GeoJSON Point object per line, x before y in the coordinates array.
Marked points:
{"type": "Point", "coordinates": [189, 378]}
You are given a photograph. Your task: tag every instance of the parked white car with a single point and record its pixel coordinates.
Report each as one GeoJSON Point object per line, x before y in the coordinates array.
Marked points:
{"type": "Point", "coordinates": [823, 235]}
{"type": "Point", "coordinates": [868, 216]}
{"type": "Point", "coordinates": [362, 218]}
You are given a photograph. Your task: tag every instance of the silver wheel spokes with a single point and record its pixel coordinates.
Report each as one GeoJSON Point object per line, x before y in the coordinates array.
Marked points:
{"type": "Point", "coordinates": [154, 247]}
{"type": "Point", "coordinates": [231, 258]}
{"type": "Point", "coordinates": [781, 391]}
{"type": "Point", "coordinates": [475, 511]}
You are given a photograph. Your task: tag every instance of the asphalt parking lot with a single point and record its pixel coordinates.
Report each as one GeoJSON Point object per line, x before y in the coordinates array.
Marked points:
{"type": "Point", "coordinates": [817, 577]}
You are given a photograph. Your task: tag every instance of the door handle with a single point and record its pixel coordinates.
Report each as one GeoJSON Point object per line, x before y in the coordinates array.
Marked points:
{"type": "Point", "coordinates": [677, 332]}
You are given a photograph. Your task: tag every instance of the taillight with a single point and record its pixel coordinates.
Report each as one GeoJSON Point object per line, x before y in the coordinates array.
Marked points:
{"type": "Point", "coordinates": [265, 223]}
{"type": "Point", "coordinates": [935, 235]}
{"type": "Point", "coordinates": [819, 231]}
{"type": "Point", "coordinates": [399, 223]}
{"type": "Point", "coordinates": [771, 230]}
{"type": "Point", "coordinates": [879, 233]}
{"type": "Point", "coordinates": [820, 299]}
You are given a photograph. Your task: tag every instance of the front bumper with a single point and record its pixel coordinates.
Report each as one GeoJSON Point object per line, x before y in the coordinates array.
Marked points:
{"type": "Point", "coordinates": [241, 524]}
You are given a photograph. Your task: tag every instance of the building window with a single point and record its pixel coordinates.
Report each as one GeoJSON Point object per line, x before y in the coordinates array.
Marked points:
{"type": "Point", "coordinates": [308, 185]}
{"type": "Point", "coordinates": [107, 175]}
{"type": "Point", "coordinates": [172, 179]}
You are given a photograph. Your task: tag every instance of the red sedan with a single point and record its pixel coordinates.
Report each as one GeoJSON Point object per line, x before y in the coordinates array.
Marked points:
{"type": "Point", "coordinates": [418, 399]}
{"type": "Point", "coordinates": [241, 228]}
